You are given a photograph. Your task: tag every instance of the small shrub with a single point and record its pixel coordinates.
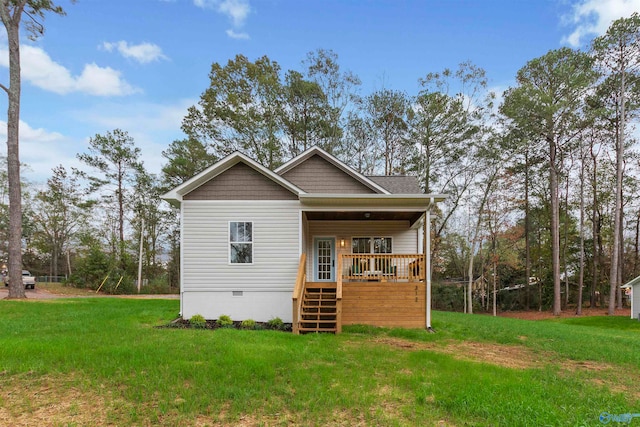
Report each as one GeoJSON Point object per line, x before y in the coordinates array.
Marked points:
{"type": "Point", "coordinates": [198, 321]}
{"type": "Point", "coordinates": [248, 324]}
{"type": "Point", "coordinates": [276, 323]}
{"type": "Point", "coordinates": [224, 321]}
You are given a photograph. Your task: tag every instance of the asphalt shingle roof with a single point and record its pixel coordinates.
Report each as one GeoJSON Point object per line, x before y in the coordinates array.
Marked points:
{"type": "Point", "coordinates": [399, 184]}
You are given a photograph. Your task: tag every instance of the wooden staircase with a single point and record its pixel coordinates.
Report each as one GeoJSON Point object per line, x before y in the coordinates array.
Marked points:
{"type": "Point", "coordinates": [319, 308]}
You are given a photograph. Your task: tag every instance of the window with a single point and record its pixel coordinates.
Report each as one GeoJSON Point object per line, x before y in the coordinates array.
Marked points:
{"type": "Point", "coordinates": [382, 245]}
{"type": "Point", "coordinates": [240, 242]}
{"type": "Point", "coordinates": [361, 245]}
{"type": "Point", "coordinates": [371, 245]}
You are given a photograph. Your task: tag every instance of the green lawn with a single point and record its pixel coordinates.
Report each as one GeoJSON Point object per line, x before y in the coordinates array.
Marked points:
{"type": "Point", "coordinates": [101, 361]}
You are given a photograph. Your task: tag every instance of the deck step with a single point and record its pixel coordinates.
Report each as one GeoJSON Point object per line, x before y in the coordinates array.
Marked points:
{"type": "Point", "coordinates": [319, 309]}
{"type": "Point", "coordinates": [313, 318]}
{"type": "Point", "coordinates": [311, 330]}
{"type": "Point", "coordinates": [319, 296]}
{"type": "Point", "coordinates": [319, 304]}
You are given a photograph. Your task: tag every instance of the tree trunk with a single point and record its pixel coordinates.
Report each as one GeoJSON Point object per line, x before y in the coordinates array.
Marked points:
{"type": "Point", "coordinates": [615, 252]}
{"type": "Point", "coordinates": [620, 259]}
{"type": "Point", "coordinates": [555, 225]}
{"type": "Point", "coordinates": [54, 261]}
{"type": "Point", "coordinates": [476, 232]}
{"type": "Point", "coordinates": [565, 244]}
{"type": "Point", "coordinates": [16, 288]}
{"type": "Point", "coordinates": [595, 230]}
{"type": "Point", "coordinates": [121, 217]}
{"type": "Point", "coordinates": [527, 242]}
{"type": "Point", "coordinates": [581, 259]}
{"type": "Point", "coordinates": [495, 291]}
{"type": "Point", "coordinates": [539, 269]}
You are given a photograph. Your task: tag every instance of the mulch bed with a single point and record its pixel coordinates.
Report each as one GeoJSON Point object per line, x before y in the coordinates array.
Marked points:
{"type": "Point", "coordinates": [181, 323]}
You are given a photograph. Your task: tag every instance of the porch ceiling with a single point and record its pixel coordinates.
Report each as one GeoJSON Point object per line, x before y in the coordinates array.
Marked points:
{"type": "Point", "coordinates": [412, 217]}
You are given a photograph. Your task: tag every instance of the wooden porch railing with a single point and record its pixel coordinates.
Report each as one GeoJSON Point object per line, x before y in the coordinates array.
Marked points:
{"type": "Point", "coordinates": [339, 298]}
{"type": "Point", "coordinates": [298, 292]}
{"type": "Point", "coordinates": [381, 267]}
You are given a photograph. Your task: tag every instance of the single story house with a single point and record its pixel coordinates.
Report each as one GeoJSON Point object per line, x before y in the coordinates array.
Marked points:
{"type": "Point", "coordinates": [314, 242]}
{"type": "Point", "coordinates": [633, 286]}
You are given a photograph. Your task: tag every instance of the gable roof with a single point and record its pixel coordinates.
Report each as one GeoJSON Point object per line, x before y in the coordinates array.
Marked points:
{"type": "Point", "coordinates": [176, 195]}
{"type": "Point", "coordinates": [397, 184]}
{"type": "Point", "coordinates": [631, 283]}
{"type": "Point", "coordinates": [382, 195]}
{"type": "Point", "coordinates": [316, 151]}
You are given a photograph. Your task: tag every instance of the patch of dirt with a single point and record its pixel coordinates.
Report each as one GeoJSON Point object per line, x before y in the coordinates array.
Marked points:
{"type": "Point", "coordinates": [222, 419]}
{"type": "Point", "coordinates": [40, 402]}
{"type": "Point", "coordinates": [501, 355]}
{"type": "Point", "coordinates": [517, 357]}
{"type": "Point", "coordinates": [32, 294]}
{"type": "Point", "coordinates": [617, 387]}
{"type": "Point", "coordinates": [543, 315]}
{"type": "Point", "coordinates": [42, 293]}
{"type": "Point", "coordinates": [508, 356]}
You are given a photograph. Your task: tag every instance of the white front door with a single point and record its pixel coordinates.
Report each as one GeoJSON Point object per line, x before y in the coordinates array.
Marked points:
{"type": "Point", "coordinates": [325, 259]}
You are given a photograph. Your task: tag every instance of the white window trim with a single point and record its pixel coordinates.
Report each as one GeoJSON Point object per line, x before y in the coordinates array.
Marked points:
{"type": "Point", "coordinates": [229, 242]}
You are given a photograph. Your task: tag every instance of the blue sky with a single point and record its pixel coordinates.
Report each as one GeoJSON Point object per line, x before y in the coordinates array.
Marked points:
{"type": "Point", "coordinates": [138, 65]}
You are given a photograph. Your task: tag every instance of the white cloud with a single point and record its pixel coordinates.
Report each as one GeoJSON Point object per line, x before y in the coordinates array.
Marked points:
{"type": "Point", "coordinates": [41, 71]}
{"type": "Point", "coordinates": [138, 115]}
{"type": "Point", "coordinates": [153, 126]}
{"type": "Point", "coordinates": [236, 10]}
{"type": "Point", "coordinates": [40, 150]}
{"type": "Point", "coordinates": [593, 17]}
{"type": "Point", "coordinates": [238, 36]}
{"type": "Point", "coordinates": [143, 52]}
{"type": "Point", "coordinates": [100, 81]}
{"type": "Point", "coordinates": [31, 135]}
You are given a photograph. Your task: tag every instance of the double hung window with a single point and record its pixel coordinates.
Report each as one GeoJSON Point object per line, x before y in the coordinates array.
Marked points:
{"type": "Point", "coordinates": [371, 245]}
{"type": "Point", "coordinates": [241, 242]}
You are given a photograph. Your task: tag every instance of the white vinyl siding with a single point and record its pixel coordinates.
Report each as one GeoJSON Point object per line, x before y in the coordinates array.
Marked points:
{"type": "Point", "coordinates": [205, 246]}
{"type": "Point", "coordinates": [635, 304]}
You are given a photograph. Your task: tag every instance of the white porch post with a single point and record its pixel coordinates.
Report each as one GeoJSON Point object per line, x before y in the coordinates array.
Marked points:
{"type": "Point", "coordinates": [427, 256]}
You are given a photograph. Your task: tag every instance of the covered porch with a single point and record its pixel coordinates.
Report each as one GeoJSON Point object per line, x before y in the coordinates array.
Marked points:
{"type": "Point", "coordinates": [377, 290]}
{"type": "Point", "coordinates": [364, 265]}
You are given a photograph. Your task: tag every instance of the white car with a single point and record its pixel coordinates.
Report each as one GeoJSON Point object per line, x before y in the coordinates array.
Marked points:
{"type": "Point", "coordinates": [28, 280]}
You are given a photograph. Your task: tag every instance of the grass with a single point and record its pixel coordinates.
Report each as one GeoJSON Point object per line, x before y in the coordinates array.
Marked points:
{"type": "Point", "coordinates": [94, 361]}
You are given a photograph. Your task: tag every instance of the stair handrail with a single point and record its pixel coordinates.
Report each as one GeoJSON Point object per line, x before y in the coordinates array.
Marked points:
{"type": "Point", "coordinates": [339, 296]}
{"type": "Point", "coordinates": [298, 291]}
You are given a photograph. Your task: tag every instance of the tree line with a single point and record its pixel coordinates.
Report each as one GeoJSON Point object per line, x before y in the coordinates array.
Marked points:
{"type": "Point", "coordinates": [542, 179]}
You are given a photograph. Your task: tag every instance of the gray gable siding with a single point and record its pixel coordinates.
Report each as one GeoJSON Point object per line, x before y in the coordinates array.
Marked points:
{"type": "Point", "coordinates": [316, 175]}
{"type": "Point", "coordinates": [240, 182]}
